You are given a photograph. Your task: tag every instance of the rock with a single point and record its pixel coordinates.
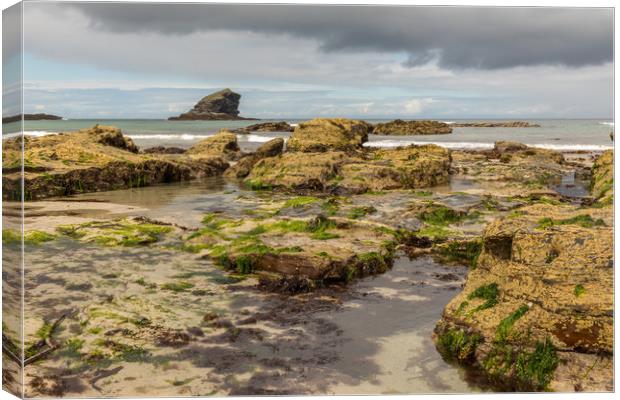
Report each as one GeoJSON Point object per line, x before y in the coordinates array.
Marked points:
{"type": "Point", "coordinates": [243, 167]}
{"type": "Point", "coordinates": [512, 169]}
{"type": "Point", "coordinates": [163, 150]}
{"type": "Point", "coordinates": [90, 160]}
{"type": "Point", "coordinates": [222, 105]}
{"type": "Point", "coordinates": [312, 171]}
{"type": "Point", "coordinates": [519, 151]}
{"type": "Point", "coordinates": [111, 136]}
{"type": "Point", "coordinates": [305, 253]}
{"type": "Point", "coordinates": [271, 148]}
{"type": "Point", "coordinates": [223, 144]}
{"type": "Point", "coordinates": [281, 126]}
{"type": "Point", "coordinates": [508, 147]}
{"type": "Point", "coordinates": [508, 124]}
{"type": "Point", "coordinates": [30, 117]}
{"type": "Point", "coordinates": [322, 134]}
{"type": "Point", "coordinates": [400, 127]}
{"type": "Point", "coordinates": [408, 167]}
{"type": "Point", "coordinates": [602, 186]}
{"type": "Point", "coordinates": [537, 311]}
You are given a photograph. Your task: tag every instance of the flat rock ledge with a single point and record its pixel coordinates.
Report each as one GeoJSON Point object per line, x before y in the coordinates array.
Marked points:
{"type": "Point", "coordinates": [507, 124]}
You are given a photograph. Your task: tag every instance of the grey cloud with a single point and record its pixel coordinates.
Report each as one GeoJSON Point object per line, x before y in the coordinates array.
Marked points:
{"type": "Point", "coordinates": [461, 37]}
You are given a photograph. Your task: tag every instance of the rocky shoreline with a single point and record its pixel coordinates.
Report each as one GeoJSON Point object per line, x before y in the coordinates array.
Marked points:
{"type": "Point", "coordinates": [508, 124]}
{"type": "Point", "coordinates": [536, 310]}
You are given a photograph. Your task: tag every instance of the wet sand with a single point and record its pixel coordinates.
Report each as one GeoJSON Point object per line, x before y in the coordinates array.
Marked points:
{"type": "Point", "coordinates": [129, 334]}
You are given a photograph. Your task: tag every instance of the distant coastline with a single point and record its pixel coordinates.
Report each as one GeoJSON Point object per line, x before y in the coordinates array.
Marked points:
{"type": "Point", "coordinates": [30, 117]}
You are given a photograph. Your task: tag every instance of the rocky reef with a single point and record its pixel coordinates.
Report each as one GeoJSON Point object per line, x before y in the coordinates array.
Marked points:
{"type": "Point", "coordinates": [536, 311]}
{"type": "Point", "coordinates": [96, 159]}
{"type": "Point", "coordinates": [327, 155]}
{"type": "Point", "coordinates": [400, 127]}
{"type": "Point", "coordinates": [222, 105]}
{"type": "Point", "coordinates": [508, 124]}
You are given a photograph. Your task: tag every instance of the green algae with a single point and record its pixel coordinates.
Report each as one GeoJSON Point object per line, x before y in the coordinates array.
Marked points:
{"type": "Point", "coordinates": [489, 293]}
{"type": "Point", "coordinates": [458, 345]}
{"type": "Point", "coordinates": [583, 220]}
{"type": "Point", "coordinates": [506, 324]}
{"type": "Point", "coordinates": [11, 236]}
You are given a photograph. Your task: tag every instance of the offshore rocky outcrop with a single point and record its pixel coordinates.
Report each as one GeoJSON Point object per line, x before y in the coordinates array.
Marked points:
{"type": "Point", "coordinates": [95, 159]}
{"type": "Point", "coordinates": [400, 127]}
{"type": "Point", "coordinates": [537, 311]}
{"type": "Point", "coordinates": [508, 124]}
{"type": "Point", "coordinates": [222, 105]}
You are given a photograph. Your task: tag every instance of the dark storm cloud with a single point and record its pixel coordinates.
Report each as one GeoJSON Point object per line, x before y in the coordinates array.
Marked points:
{"type": "Point", "coordinates": [486, 38]}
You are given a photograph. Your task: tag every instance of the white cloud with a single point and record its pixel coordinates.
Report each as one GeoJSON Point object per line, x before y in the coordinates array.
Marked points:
{"type": "Point", "coordinates": [292, 75]}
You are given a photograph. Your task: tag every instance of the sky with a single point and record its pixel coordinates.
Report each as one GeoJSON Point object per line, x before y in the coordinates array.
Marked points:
{"type": "Point", "coordinates": [136, 60]}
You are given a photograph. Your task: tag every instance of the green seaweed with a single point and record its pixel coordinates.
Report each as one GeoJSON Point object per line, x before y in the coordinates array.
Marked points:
{"type": "Point", "coordinates": [506, 324]}
{"type": "Point", "coordinates": [180, 286]}
{"type": "Point", "coordinates": [300, 201]}
{"type": "Point", "coordinates": [535, 370]}
{"type": "Point", "coordinates": [359, 212]}
{"type": "Point", "coordinates": [583, 220]}
{"type": "Point", "coordinates": [489, 293]}
{"type": "Point", "coordinates": [458, 345]}
{"type": "Point", "coordinates": [579, 290]}
{"type": "Point", "coordinates": [466, 252]}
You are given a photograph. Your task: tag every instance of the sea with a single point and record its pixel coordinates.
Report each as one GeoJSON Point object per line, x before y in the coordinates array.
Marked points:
{"type": "Point", "coordinates": [562, 135]}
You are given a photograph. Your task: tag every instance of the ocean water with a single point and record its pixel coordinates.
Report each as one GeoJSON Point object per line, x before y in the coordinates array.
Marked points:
{"type": "Point", "coordinates": [565, 134]}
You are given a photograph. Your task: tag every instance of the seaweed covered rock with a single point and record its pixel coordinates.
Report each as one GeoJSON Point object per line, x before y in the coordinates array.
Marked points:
{"type": "Point", "coordinates": [407, 167]}
{"type": "Point", "coordinates": [519, 151]}
{"type": "Point", "coordinates": [164, 150]}
{"type": "Point", "coordinates": [223, 144]}
{"type": "Point", "coordinates": [312, 171]}
{"type": "Point", "coordinates": [603, 179]}
{"type": "Point", "coordinates": [400, 127]}
{"type": "Point", "coordinates": [281, 126]}
{"type": "Point", "coordinates": [299, 253]}
{"type": "Point", "coordinates": [90, 160]}
{"type": "Point", "coordinates": [537, 311]}
{"type": "Point", "coordinates": [111, 136]}
{"type": "Point", "coordinates": [244, 166]}
{"type": "Point", "coordinates": [512, 168]}
{"type": "Point", "coordinates": [401, 168]}
{"type": "Point", "coordinates": [323, 134]}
